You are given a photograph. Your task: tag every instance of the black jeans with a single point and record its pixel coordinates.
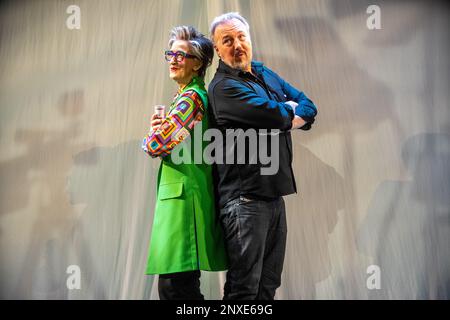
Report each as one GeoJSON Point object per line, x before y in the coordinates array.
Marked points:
{"type": "Point", "coordinates": [255, 235]}
{"type": "Point", "coordinates": [180, 286]}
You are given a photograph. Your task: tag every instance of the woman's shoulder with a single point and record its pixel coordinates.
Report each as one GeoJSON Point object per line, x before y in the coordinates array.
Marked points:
{"type": "Point", "coordinates": [197, 95]}
{"type": "Point", "coordinates": [190, 94]}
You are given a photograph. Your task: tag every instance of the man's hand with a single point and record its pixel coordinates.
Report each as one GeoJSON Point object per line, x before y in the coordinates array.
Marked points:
{"type": "Point", "coordinates": [292, 104]}
{"type": "Point", "coordinates": [306, 110]}
{"type": "Point", "coordinates": [303, 113]}
{"type": "Point", "coordinates": [297, 123]}
{"type": "Point", "coordinates": [155, 122]}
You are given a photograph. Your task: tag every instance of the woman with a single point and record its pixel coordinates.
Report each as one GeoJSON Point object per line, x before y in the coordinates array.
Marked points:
{"type": "Point", "coordinates": [186, 235]}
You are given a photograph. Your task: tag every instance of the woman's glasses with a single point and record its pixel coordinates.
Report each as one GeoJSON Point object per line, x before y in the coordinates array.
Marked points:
{"type": "Point", "coordinates": [179, 55]}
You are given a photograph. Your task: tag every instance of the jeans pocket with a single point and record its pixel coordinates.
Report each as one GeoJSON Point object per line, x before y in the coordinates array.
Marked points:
{"type": "Point", "coordinates": [228, 213]}
{"type": "Point", "coordinates": [249, 207]}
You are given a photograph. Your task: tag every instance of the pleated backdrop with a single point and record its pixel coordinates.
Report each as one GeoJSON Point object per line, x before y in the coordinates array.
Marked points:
{"type": "Point", "coordinates": [373, 175]}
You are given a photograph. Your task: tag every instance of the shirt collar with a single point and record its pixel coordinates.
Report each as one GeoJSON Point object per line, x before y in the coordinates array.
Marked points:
{"type": "Point", "coordinates": [223, 67]}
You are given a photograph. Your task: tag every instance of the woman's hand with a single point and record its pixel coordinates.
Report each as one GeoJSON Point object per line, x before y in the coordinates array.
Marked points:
{"type": "Point", "coordinates": [155, 122]}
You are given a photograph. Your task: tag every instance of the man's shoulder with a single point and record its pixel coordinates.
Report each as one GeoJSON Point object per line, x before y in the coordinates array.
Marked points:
{"type": "Point", "coordinates": [260, 67]}
{"type": "Point", "coordinates": [269, 72]}
{"type": "Point", "coordinates": [222, 80]}
{"type": "Point", "coordinates": [218, 76]}
{"type": "Point", "coordinates": [272, 78]}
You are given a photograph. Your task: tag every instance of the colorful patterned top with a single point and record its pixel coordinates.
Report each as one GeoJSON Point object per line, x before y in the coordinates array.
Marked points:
{"type": "Point", "coordinates": [186, 110]}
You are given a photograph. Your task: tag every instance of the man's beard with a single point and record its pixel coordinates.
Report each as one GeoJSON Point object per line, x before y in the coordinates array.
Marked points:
{"type": "Point", "coordinates": [241, 65]}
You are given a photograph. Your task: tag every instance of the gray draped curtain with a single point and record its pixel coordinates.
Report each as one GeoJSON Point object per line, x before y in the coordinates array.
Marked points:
{"type": "Point", "coordinates": [373, 174]}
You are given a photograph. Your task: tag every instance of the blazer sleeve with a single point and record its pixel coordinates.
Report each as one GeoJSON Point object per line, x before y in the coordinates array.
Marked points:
{"type": "Point", "coordinates": [176, 127]}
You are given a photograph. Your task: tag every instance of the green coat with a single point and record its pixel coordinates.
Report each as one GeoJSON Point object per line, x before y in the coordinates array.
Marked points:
{"type": "Point", "coordinates": [186, 234]}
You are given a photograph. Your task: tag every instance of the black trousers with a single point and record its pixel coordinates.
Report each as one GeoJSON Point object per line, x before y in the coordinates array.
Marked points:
{"type": "Point", "coordinates": [255, 236]}
{"type": "Point", "coordinates": [180, 286]}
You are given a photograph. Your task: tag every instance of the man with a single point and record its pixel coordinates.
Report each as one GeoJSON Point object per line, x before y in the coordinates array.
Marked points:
{"type": "Point", "coordinates": [244, 94]}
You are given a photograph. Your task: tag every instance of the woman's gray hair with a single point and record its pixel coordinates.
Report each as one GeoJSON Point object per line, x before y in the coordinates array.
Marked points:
{"type": "Point", "coordinates": [200, 46]}
{"type": "Point", "coordinates": [224, 18]}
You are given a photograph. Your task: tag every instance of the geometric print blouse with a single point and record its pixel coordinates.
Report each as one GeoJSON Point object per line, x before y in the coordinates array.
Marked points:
{"type": "Point", "coordinates": [186, 111]}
